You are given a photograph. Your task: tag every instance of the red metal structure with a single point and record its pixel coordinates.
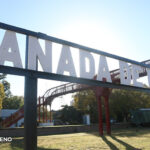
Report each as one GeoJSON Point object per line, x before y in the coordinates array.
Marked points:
{"type": "Point", "coordinates": [51, 94]}
{"type": "Point", "coordinates": [32, 75]}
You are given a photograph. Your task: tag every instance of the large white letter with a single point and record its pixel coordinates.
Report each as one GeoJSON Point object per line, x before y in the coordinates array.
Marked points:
{"type": "Point", "coordinates": [66, 62]}
{"type": "Point", "coordinates": [35, 51]}
{"type": "Point", "coordinates": [125, 73]}
{"type": "Point", "coordinates": [83, 72]}
{"type": "Point", "coordinates": [148, 73]}
{"type": "Point", "coordinates": [103, 70]}
{"type": "Point", "coordinates": [10, 43]}
{"type": "Point", "coordinates": [135, 75]}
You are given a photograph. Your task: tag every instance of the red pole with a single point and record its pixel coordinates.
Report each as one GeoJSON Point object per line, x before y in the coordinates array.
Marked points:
{"type": "Point", "coordinates": [100, 115]}
{"type": "Point", "coordinates": [108, 127]}
{"type": "Point", "coordinates": [46, 110]}
{"type": "Point", "coordinates": [43, 109]}
{"type": "Point", "coordinates": [39, 109]}
{"type": "Point", "coordinates": [50, 114]}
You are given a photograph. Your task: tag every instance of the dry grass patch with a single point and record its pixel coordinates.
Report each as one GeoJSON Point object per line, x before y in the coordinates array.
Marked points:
{"type": "Point", "coordinates": [127, 139]}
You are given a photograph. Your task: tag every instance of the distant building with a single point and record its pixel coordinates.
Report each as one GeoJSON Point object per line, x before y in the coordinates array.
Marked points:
{"type": "Point", "coordinates": [8, 112]}
{"type": "Point", "coordinates": [140, 116]}
{"type": "Point", "coordinates": [71, 102]}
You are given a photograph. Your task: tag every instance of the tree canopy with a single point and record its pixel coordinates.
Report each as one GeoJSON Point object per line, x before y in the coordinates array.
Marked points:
{"type": "Point", "coordinates": [86, 102]}
{"type": "Point", "coordinates": [70, 115]}
{"type": "Point", "coordinates": [121, 102]}
{"type": "Point", "coordinates": [6, 85]}
{"type": "Point", "coordinates": [2, 89]}
{"type": "Point", "coordinates": [7, 100]}
{"type": "Point", "coordinates": [13, 102]}
{"type": "Point", "coordinates": [2, 95]}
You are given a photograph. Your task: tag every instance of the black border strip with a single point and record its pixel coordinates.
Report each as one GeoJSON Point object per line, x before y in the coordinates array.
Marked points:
{"type": "Point", "coordinates": [64, 42]}
{"type": "Point", "coordinates": [52, 76]}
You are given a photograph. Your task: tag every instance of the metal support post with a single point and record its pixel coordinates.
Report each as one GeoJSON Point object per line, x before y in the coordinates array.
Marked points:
{"type": "Point", "coordinates": [43, 110]}
{"type": "Point", "coordinates": [39, 109]}
{"type": "Point", "coordinates": [108, 127]}
{"type": "Point", "coordinates": [100, 115]}
{"type": "Point", "coordinates": [46, 110]}
{"type": "Point", "coordinates": [50, 114]}
{"type": "Point", "coordinates": [30, 114]}
{"type": "Point", "coordinates": [30, 108]}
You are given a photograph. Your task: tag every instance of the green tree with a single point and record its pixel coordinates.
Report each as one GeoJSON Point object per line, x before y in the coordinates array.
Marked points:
{"type": "Point", "coordinates": [122, 101]}
{"type": "Point", "coordinates": [71, 115]}
{"type": "Point", "coordinates": [86, 102]}
{"type": "Point", "coordinates": [6, 85]}
{"type": "Point", "coordinates": [6, 88]}
{"type": "Point", "coordinates": [9, 101]}
{"type": "Point", "coordinates": [13, 102]}
{"type": "Point", "coordinates": [2, 95]}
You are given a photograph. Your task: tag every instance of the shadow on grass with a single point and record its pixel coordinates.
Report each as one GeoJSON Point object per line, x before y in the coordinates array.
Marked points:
{"type": "Point", "coordinates": [19, 144]}
{"type": "Point", "coordinates": [137, 131]}
{"type": "Point", "coordinates": [127, 146]}
{"type": "Point", "coordinates": [112, 146]}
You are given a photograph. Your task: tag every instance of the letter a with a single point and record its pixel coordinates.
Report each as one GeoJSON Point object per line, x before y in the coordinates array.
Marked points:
{"type": "Point", "coordinates": [125, 73]}
{"type": "Point", "coordinates": [10, 42]}
{"type": "Point", "coordinates": [83, 71]}
{"type": "Point", "coordinates": [35, 51]}
{"type": "Point", "coordinates": [103, 71]}
{"type": "Point", "coordinates": [148, 73]}
{"type": "Point", "coordinates": [66, 62]}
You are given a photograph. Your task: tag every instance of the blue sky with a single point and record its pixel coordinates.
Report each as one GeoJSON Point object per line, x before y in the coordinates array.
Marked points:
{"type": "Point", "coordinates": [128, 21]}
{"type": "Point", "coordinates": [120, 27]}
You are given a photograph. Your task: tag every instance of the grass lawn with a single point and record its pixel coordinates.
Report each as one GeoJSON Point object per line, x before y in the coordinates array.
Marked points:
{"type": "Point", "coordinates": [125, 139]}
